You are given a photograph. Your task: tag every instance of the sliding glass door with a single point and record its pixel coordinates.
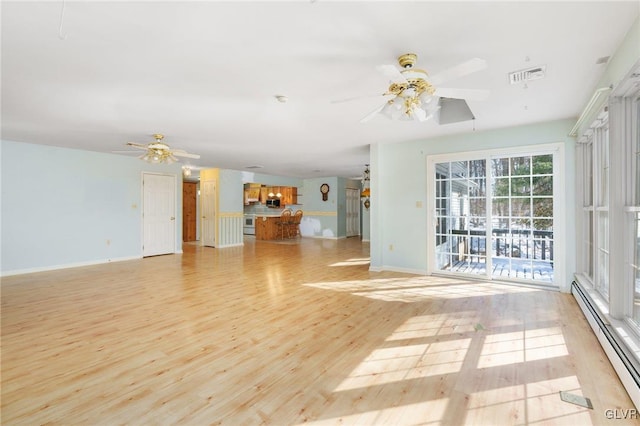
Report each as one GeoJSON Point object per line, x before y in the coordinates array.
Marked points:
{"type": "Point", "coordinates": [493, 217]}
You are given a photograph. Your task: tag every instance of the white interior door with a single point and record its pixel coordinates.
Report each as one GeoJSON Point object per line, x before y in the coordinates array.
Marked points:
{"type": "Point", "coordinates": [353, 212]}
{"type": "Point", "coordinates": [208, 207]}
{"type": "Point", "coordinates": [158, 214]}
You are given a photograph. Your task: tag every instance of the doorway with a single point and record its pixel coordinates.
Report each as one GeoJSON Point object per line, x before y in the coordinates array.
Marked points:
{"type": "Point", "coordinates": [158, 214]}
{"type": "Point", "coordinates": [189, 214]}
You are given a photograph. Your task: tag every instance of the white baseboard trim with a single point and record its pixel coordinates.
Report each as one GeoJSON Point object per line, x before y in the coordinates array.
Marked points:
{"type": "Point", "coordinates": [604, 337]}
{"type": "Point", "coordinates": [65, 266]}
{"type": "Point", "coordinates": [230, 245]}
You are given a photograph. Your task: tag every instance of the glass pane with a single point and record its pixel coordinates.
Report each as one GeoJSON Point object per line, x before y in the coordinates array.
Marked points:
{"type": "Point", "coordinates": [478, 207]}
{"type": "Point", "coordinates": [459, 169]}
{"type": "Point", "coordinates": [477, 169]}
{"type": "Point", "coordinates": [500, 167]}
{"type": "Point", "coordinates": [543, 164]}
{"type": "Point", "coordinates": [477, 223]}
{"type": "Point", "coordinates": [520, 166]}
{"type": "Point", "coordinates": [542, 185]}
{"type": "Point", "coordinates": [520, 186]}
{"type": "Point", "coordinates": [500, 187]}
{"type": "Point", "coordinates": [500, 207]}
{"type": "Point", "coordinates": [588, 176]}
{"type": "Point", "coordinates": [542, 247]}
{"type": "Point", "coordinates": [442, 171]}
{"type": "Point", "coordinates": [602, 262]}
{"type": "Point", "coordinates": [499, 224]}
{"type": "Point", "coordinates": [521, 224]}
{"type": "Point", "coordinates": [477, 187]}
{"type": "Point", "coordinates": [543, 207]}
{"type": "Point", "coordinates": [520, 207]}
{"type": "Point", "coordinates": [543, 225]}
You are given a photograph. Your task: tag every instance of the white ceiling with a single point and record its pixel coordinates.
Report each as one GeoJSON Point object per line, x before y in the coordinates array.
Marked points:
{"type": "Point", "coordinates": [206, 73]}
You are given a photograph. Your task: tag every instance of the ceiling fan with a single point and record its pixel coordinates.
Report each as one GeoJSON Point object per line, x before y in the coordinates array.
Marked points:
{"type": "Point", "coordinates": [160, 152]}
{"type": "Point", "coordinates": [414, 95]}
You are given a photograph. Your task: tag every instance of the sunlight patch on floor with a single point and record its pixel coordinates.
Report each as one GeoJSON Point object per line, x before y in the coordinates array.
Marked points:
{"type": "Point", "coordinates": [353, 262]}
{"type": "Point", "coordinates": [421, 413]}
{"type": "Point", "coordinates": [416, 289]}
{"type": "Point", "coordinates": [530, 403]}
{"type": "Point", "coordinates": [522, 346]}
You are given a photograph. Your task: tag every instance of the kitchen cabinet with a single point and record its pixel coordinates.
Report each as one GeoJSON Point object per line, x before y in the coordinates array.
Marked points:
{"type": "Point", "coordinates": [289, 195]}
{"type": "Point", "coordinates": [264, 195]}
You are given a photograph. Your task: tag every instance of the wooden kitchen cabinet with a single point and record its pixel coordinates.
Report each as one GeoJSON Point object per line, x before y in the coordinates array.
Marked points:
{"type": "Point", "coordinates": [264, 195]}
{"type": "Point", "coordinates": [289, 195]}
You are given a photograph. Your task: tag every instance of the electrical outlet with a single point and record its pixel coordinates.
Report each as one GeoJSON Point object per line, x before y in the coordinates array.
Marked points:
{"type": "Point", "coordinates": [390, 247]}
{"type": "Point", "coordinates": [418, 204]}
{"type": "Point", "coordinates": [108, 242]}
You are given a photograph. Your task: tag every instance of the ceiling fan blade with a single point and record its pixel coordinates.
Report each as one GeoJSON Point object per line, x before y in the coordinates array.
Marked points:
{"type": "Point", "coordinates": [468, 94]}
{"type": "Point", "coordinates": [137, 145]}
{"type": "Point", "coordinates": [372, 113]}
{"type": "Point", "coordinates": [180, 153]}
{"type": "Point", "coordinates": [468, 67]}
{"type": "Point", "coordinates": [355, 98]}
{"type": "Point", "coordinates": [392, 73]}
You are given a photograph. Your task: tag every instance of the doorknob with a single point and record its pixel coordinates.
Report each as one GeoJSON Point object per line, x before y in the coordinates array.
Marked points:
{"type": "Point", "coordinates": [173, 218]}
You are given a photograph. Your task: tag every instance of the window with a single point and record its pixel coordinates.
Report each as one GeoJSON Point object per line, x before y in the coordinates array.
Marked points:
{"type": "Point", "coordinates": [494, 214]}
{"type": "Point", "coordinates": [609, 198]}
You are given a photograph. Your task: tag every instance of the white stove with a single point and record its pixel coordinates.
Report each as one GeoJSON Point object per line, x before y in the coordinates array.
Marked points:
{"type": "Point", "coordinates": [249, 227]}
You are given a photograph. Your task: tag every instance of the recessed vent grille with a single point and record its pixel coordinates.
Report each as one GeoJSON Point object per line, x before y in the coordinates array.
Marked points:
{"type": "Point", "coordinates": [255, 166]}
{"type": "Point", "coordinates": [534, 73]}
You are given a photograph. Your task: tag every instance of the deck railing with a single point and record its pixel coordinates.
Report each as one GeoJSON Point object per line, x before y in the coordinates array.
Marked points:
{"type": "Point", "coordinates": [517, 243]}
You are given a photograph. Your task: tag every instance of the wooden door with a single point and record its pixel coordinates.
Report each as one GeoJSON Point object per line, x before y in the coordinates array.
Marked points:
{"type": "Point", "coordinates": [158, 214]}
{"type": "Point", "coordinates": [189, 218]}
{"type": "Point", "coordinates": [208, 201]}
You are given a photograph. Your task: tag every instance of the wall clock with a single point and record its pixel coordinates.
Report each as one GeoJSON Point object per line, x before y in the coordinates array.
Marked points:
{"type": "Point", "coordinates": [324, 189]}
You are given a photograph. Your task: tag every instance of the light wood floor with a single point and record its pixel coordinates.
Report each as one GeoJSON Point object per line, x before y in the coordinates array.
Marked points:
{"type": "Point", "coordinates": [292, 333]}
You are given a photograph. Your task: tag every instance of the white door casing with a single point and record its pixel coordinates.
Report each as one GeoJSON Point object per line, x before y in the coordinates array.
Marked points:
{"type": "Point", "coordinates": [208, 208]}
{"type": "Point", "coordinates": [158, 214]}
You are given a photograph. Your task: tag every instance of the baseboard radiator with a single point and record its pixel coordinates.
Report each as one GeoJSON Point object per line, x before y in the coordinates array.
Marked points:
{"type": "Point", "coordinates": [623, 362]}
{"type": "Point", "coordinates": [230, 231]}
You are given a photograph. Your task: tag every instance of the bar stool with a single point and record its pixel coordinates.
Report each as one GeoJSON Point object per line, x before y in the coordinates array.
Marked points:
{"type": "Point", "coordinates": [283, 223]}
{"type": "Point", "coordinates": [294, 225]}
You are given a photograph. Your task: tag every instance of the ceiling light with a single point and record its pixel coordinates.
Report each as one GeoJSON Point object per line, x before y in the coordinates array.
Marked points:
{"type": "Point", "coordinates": [366, 189]}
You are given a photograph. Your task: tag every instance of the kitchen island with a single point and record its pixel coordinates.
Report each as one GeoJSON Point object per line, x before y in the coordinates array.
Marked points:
{"type": "Point", "coordinates": [267, 227]}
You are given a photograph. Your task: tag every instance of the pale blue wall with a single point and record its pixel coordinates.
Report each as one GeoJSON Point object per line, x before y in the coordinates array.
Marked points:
{"type": "Point", "coordinates": [325, 223]}
{"type": "Point", "coordinates": [231, 194]}
{"type": "Point", "coordinates": [60, 206]}
{"type": "Point", "coordinates": [399, 184]}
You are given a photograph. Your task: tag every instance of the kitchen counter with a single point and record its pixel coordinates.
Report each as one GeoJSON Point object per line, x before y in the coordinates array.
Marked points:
{"type": "Point", "coordinates": [267, 227]}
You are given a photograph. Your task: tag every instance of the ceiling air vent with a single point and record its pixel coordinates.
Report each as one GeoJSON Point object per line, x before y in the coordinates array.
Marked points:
{"type": "Point", "coordinates": [255, 166]}
{"type": "Point", "coordinates": [534, 73]}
